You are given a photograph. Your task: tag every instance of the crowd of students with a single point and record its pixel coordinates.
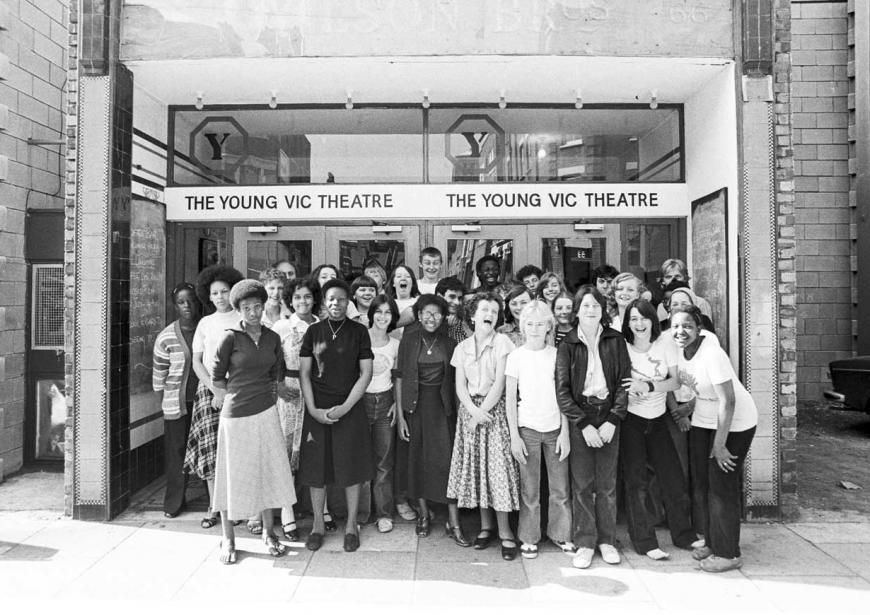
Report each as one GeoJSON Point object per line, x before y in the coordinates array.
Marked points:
{"type": "Point", "coordinates": [402, 393]}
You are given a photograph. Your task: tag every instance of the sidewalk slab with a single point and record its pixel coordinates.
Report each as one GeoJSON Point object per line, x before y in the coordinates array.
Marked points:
{"type": "Point", "coordinates": [815, 594]}
{"type": "Point", "coordinates": [847, 533]}
{"type": "Point", "coordinates": [774, 550]}
{"type": "Point", "coordinates": [854, 556]}
{"type": "Point", "coordinates": [373, 578]}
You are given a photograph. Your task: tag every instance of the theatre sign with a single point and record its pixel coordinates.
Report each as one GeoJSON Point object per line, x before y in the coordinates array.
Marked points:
{"type": "Point", "coordinates": [430, 201]}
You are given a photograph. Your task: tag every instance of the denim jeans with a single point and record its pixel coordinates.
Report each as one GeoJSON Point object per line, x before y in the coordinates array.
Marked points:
{"type": "Point", "coordinates": [543, 444]}
{"type": "Point", "coordinates": [383, 447]}
{"type": "Point", "coordinates": [593, 481]}
{"type": "Point", "coordinates": [648, 441]}
{"type": "Point", "coordinates": [716, 497]}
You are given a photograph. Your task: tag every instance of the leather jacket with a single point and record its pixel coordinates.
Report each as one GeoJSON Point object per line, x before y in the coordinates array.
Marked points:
{"type": "Point", "coordinates": [571, 358]}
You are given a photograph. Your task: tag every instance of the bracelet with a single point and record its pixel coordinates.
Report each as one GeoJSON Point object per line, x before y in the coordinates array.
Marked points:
{"type": "Point", "coordinates": [652, 387]}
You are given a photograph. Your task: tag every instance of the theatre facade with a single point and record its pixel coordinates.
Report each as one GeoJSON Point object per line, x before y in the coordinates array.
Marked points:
{"type": "Point", "coordinates": [565, 135]}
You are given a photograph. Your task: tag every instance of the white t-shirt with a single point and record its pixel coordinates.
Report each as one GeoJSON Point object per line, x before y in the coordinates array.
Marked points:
{"type": "Point", "coordinates": [209, 332]}
{"type": "Point", "coordinates": [710, 366]}
{"type": "Point", "coordinates": [652, 364]}
{"type": "Point", "coordinates": [684, 394]}
{"type": "Point", "coordinates": [383, 365]}
{"type": "Point", "coordinates": [426, 288]}
{"type": "Point", "coordinates": [535, 372]}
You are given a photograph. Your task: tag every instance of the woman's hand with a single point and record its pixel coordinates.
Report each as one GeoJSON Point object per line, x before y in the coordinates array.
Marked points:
{"type": "Point", "coordinates": [336, 412]}
{"type": "Point", "coordinates": [724, 459]}
{"type": "Point", "coordinates": [218, 400]}
{"type": "Point", "coordinates": [402, 428]}
{"type": "Point", "coordinates": [283, 391]}
{"type": "Point", "coordinates": [518, 449]}
{"type": "Point", "coordinates": [592, 437]}
{"type": "Point", "coordinates": [684, 423]}
{"type": "Point", "coordinates": [635, 386]}
{"type": "Point", "coordinates": [607, 431]}
{"type": "Point", "coordinates": [391, 414]}
{"type": "Point", "coordinates": [563, 445]}
{"type": "Point", "coordinates": [321, 415]}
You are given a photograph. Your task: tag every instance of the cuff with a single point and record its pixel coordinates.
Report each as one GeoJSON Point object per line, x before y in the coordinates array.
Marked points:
{"type": "Point", "coordinates": [613, 419]}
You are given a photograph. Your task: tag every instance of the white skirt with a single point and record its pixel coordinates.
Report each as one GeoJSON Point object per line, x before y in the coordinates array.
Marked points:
{"type": "Point", "coordinates": [252, 470]}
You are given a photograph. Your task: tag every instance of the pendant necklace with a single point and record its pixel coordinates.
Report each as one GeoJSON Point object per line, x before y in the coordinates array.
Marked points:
{"type": "Point", "coordinates": [428, 347]}
{"type": "Point", "coordinates": [335, 331]}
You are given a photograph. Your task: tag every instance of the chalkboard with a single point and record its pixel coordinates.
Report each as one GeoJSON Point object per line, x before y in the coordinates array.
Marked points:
{"type": "Point", "coordinates": [147, 288]}
{"type": "Point", "coordinates": [710, 257]}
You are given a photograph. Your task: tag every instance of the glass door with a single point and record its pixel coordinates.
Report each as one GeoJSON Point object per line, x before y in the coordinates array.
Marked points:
{"type": "Point", "coordinates": [574, 252]}
{"type": "Point", "coordinates": [301, 246]}
{"type": "Point", "coordinates": [464, 244]}
{"type": "Point", "coordinates": [353, 248]}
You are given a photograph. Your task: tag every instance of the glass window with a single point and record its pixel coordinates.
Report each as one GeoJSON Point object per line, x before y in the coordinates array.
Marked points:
{"type": "Point", "coordinates": [355, 255]}
{"type": "Point", "coordinates": [263, 254]}
{"type": "Point", "coordinates": [463, 254]}
{"type": "Point", "coordinates": [646, 247]}
{"type": "Point", "coordinates": [550, 145]}
{"type": "Point", "coordinates": [298, 146]}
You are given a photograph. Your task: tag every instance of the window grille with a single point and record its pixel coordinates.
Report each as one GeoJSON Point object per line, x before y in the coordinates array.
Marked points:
{"type": "Point", "coordinates": [47, 297]}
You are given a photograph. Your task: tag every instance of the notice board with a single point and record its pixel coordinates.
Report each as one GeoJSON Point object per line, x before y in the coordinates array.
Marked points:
{"type": "Point", "coordinates": [710, 257]}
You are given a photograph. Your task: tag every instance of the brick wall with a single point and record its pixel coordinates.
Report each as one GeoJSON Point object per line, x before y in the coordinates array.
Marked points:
{"type": "Point", "coordinates": [34, 41]}
{"type": "Point", "coordinates": [825, 280]}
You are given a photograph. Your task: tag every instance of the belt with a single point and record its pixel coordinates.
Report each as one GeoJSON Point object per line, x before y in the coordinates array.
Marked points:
{"type": "Point", "coordinates": [594, 400]}
{"type": "Point", "coordinates": [292, 373]}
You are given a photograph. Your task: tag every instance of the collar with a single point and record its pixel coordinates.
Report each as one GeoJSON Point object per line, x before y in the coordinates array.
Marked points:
{"type": "Point", "coordinates": [295, 321]}
{"type": "Point", "coordinates": [604, 332]}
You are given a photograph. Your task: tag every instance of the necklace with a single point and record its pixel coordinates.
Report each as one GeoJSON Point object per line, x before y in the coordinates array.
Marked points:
{"type": "Point", "coordinates": [335, 331]}
{"type": "Point", "coordinates": [429, 347]}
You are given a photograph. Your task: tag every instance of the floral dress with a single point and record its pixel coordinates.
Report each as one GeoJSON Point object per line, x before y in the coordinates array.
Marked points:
{"type": "Point", "coordinates": [291, 406]}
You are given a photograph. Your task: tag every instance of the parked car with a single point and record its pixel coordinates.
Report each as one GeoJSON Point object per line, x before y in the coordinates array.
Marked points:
{"type": "Point", "coordinates": [851, 380]}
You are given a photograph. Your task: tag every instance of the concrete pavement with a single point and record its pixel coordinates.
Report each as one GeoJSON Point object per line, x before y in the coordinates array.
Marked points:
{"type": "Point", "coordinates": [142, 559]}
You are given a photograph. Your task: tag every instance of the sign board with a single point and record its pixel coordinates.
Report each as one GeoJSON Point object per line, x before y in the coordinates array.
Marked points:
{"type": "Point", "coordinates": [331, 202]}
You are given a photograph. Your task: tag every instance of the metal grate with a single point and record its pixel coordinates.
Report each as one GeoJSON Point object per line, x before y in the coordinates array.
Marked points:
{"type": "Point", "coordinates": [47, 294]}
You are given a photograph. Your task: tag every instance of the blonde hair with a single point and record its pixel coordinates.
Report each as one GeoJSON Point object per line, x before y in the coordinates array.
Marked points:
{"type": "Point", "coordinates": [624, 277]}
{"type": "Point", "coordinates": [539, 309]}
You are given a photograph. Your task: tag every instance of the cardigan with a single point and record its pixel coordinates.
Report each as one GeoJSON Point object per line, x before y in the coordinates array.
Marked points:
{"type": "Point", "coordinates": [408, 370]}
{"type": "Point", "coordinates": [171, 370]}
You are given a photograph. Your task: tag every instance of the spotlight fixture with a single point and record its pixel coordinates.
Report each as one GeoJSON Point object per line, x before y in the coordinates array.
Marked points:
{"type": "Point", "coordinates": [273, 101]}
{"type": "Point", "coordinates": [654, 100]}
{"type": "Point", "coordinates": [198, 102]}
{"type": "Point", "coordinates": [425, 99]}
{"type": "Point", "coordinates": [349, 104]}
{"type": "Point", "coordinates": [578, 101]}
{"type": "Point", "coordinates": [502, 103]}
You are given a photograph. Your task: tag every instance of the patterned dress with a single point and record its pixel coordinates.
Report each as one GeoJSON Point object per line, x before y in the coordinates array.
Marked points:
{"type": "Point", "coordinates": [292, 410]}
{"type": "Point", "coordinates": [482, 471]}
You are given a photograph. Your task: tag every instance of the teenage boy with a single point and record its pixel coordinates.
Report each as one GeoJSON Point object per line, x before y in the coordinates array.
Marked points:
{"type": "Point", "coordinates": [453, 291]}
{"type": "Point", "coordinates": [602, 277]}
{"type": "Point", "coordinates": [529, 276]}
{"type": "Point", "coordinates": [538, 430]}
{"type": "Point", "coordinates": [430, 268]}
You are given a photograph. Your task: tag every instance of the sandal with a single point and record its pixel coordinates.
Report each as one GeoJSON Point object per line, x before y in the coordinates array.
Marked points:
{"type": "Point", "coordinates": [208, 522]}
{"type": "Point", "coordinates": [276, 549]}
{"type": "Point", "coordinates": [291, 532]}
{"type": "Point", "coordinates": [328, 524]}
{"type": "Point", "coordinates": [228, 553]}
{"type": "Point", "coordinates": [255, 527]}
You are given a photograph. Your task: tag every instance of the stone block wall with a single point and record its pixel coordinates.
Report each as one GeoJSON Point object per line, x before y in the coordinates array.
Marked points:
{"type": "Point", "coordinates": [824, 247]}
{"type": "Point", "coordinates": [33, 59]}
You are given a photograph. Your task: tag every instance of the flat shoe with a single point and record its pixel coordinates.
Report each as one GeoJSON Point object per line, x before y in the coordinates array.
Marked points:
{"type": "Point", "coordinates": [255, 527]}
{"type": "Point", "coordinates": [609, 554]}
{"type": "Point", "coordinates": [314, 541]}
{"type": "Point", "coordinates": [528, 550]}
{"type": "Point", "coordinates": [509, 550]}
{"type": "Point", "coordinates": [422, 529]}
{"type": "Point", "coordinates": [406, 512]}
{"type": "Point", "coordinates": [482, 540]}
{"type": "Point", "coordinates": [351, 542]}
{"type": "Point", "coordinates": [583, 558]}
{"type": "Point", "coordinates": [208, 522]}
{"type": "Point", "coordinates": [714, 563]}
{"type": "Point", "coordinates": [701, 553]}
{"type": "Point", "coordinates": [291, 532]}
{"type": "Point", "coordinates": [328, 524]}
{"type": "Point", "coordinates": [276, 549]}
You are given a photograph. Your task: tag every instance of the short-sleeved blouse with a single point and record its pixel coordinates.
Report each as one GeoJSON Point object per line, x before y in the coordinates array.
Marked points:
{"type": "Point", "coordinates": [335, 368]}
{"type": "Point", "coordinates": [291, 331]}
{"type": "Point", "coordinates": [209, 332]}
{"type": "Point", "coordinates": [479, 364]}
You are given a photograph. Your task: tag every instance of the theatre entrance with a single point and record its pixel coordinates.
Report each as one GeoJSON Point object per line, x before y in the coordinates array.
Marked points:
{"type": "Point", "coordinates": [571, 248]}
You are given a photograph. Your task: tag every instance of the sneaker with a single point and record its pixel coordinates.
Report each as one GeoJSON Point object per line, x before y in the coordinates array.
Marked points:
{"type": "Point", "coordinates": [658, 555]}
{"type": "Point", "coordinates": [609, 554]}
{"type": "Point", "coordinates": [566, 546]}
{"type": "Point", "coordinates": [385, 524]}
{"type": "Point", "coordinates": [528, 550]}
{"type": "Point", "coordinates": [699, 543]}
{"type": "Point", "coordinates": [714, 563]}
{"type": "Point", "coordinates": [406, 512]}
{"type": "Point", "coordinates": [583, 558]}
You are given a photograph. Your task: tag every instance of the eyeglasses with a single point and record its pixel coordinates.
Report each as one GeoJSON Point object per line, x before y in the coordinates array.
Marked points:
{"type": "Point", "coordinates": [431, 315]}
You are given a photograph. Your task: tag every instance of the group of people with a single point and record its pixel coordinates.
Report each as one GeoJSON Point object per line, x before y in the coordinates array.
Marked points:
{"type": "Point", "coordinates": [406, 393]}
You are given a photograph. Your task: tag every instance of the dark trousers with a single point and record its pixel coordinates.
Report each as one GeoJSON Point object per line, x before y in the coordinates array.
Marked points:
{"type": "Point", "coordinates": [593, 483]}
{"type": "Point", "coordinates": [646, 442]}
{"type": "Point", "coordinates": [716, 497]}
{"type": "Point", "coordinates": [174, 447]}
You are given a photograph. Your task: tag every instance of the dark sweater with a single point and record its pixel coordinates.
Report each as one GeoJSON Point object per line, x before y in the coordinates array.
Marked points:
{"type": "Point", "coordinates": [247, 371]}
